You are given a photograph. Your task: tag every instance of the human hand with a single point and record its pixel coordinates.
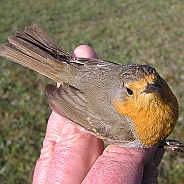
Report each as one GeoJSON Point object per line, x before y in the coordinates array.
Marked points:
{"type": "Point", "coordinates": [72, 155]}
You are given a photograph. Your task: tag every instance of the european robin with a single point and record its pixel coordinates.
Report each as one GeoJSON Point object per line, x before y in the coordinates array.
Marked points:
{"type": "Point", "coordinates": [127, 105]}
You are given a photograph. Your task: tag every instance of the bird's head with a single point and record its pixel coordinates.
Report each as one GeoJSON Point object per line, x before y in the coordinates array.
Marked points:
{"type": "Point", "coordinates": [150, 104]}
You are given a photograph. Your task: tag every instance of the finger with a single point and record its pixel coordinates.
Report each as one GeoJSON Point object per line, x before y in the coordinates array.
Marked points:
{"type": "Point", "coordinates": [158, 156]}
{"type": "Point", "coordinates": [68, 151]}
{"type": "Point", "coordinates": [118, 165]}
{"type": "Point", "coordinates": [150, 169]}
{"type": "Point", "coordinates": [85, 51]}
{"type": "Point", "coordinates": [71, 157]}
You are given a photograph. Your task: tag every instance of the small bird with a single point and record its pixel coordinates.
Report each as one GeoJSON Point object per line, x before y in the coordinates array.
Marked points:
{"type": "Point", "coordinates": [127, 105]}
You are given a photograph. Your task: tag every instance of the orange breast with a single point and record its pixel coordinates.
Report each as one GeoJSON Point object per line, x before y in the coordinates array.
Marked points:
{"type": "Point", "coordinates": [151, 124]}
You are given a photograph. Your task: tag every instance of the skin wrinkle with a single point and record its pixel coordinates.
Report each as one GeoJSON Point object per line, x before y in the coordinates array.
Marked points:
{"type": "Point", "coordinates": [48, 147]}
{"type": "Point", "coordinates": [112, 172]}
{"type": "Point", "coordinates": [68, 130]}
{"type": "Point", "coordinates": [45, 159]}
{"type": "Point", "coordinates": [61, 158]}
{"type": "Point", "coordinates": [117, 166]}
{"type": "Point", "coordinates": [68, 133]}
{"type": "Point", "coordinates": [68, 154]}
{"type": "Point", "coordinates": [112, 169]}
{"type": "Point", "coordinates": [140, 158]}
{"type": "Point", "coordinates": [119, 162]}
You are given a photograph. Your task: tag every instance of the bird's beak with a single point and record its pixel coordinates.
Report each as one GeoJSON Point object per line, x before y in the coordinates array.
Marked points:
{"type": "Point", "coordinates": [151, 88]}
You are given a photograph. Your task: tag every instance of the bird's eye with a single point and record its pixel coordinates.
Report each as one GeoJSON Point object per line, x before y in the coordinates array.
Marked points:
{"type": "Point", "coordinates": [129, 91]}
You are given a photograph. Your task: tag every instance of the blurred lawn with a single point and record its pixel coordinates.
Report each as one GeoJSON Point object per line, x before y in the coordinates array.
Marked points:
{"type": "Point", "coordinates": [131, 31]}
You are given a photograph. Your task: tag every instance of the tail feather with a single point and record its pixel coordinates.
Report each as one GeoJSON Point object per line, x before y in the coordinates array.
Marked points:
{"type": "Point", "coordinates": [45, 38]}
{"type": "Point", "coordinates": [30, 49]}
{"type": "Point", "coordinates": [36, 50]}
{"type": "Point", "coordinates": [10, 52]}
{"type": "Point", "coordinates": [34, 40]}
{"type": "Point", "coordinates": [40, 35]}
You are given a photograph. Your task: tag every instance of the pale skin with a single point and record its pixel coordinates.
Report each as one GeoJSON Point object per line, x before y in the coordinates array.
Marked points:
{"type": "Point", "coordinates": [72, 155]}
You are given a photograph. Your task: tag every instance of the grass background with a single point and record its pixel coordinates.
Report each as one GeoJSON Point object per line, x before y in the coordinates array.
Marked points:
{"type": "Point", "coordinates": [130, 31]}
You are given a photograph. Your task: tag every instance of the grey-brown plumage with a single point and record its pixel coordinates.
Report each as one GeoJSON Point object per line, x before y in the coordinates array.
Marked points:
{"type": "Point", "coordinates": [89, 87]}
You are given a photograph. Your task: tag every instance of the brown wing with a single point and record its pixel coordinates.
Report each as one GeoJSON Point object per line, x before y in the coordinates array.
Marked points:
{"type": "Point", "coordinates": [71, 103]}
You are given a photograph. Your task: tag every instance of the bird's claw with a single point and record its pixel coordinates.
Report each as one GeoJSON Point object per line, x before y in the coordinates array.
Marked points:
{"type": "Point", "coordinates": [172, 145]}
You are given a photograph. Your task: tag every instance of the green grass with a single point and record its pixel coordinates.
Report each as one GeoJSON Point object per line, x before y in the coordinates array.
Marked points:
{"type": "Point", "coordinates": [131, 31]}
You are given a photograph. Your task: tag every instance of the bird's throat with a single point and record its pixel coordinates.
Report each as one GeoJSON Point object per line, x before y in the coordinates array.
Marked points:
{"type": "Point", "coordinates": [152, 122]}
